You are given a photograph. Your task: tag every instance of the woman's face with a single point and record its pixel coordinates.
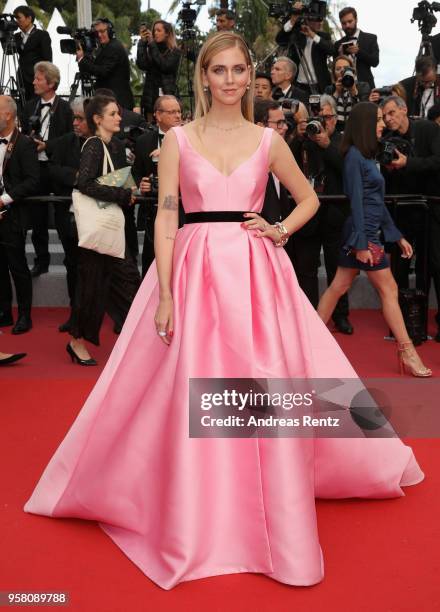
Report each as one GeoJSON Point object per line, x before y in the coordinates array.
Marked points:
{"type": "Point", "coordinates": [111, 119]}
{"type": "Point", "coordinates": [340, 66]}
{"type": "Point", "coordinates": [159, 33]}
{"type": "Point", "coordinates": [380, 124]}
{"type": "Point", "coordinates": [227, 76]}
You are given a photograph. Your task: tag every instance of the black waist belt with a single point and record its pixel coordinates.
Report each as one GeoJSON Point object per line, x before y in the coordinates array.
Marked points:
{"type": "Point", "coordinates": [216, 216]}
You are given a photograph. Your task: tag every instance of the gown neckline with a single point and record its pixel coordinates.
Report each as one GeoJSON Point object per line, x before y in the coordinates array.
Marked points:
{"type": "Point", "coordinates": [243, 163]}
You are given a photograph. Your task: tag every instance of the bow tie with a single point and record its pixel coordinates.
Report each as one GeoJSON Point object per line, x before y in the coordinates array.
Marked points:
{"type": "Point", "coordinates": [49, 104]}
{"type": "Point", "coordinates": [277, 93]}
{"type": "Point", "coordinates": [4, 141]}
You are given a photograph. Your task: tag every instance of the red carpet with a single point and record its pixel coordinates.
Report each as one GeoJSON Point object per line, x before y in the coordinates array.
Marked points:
{"type": "Point", "coordinates": [380, 556]}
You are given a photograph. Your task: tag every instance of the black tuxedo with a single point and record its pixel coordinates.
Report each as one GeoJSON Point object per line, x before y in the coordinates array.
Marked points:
{"type": "Point", "coordinates": [275, 207]}
{"type": "Point", "coordinates": [64, 156]}
{"type": "Point", "coordinates": [324, 230]}
{"type": "Point", "coordinates": [111, 67]}
{"type": "Point", "coordinates": [20, 178]}
{"type": "Point", "coordinates": [320, 52]}
{"type": "Point", "coordinates": [60, 123]}
{"type": "Point", "coordinates": [144, 166]}
{"type": "Point", "coordinates": [293, 93]}
{"type": "Point", "coordinates": [38, 48]}
{"type": "Point", "coordinates": [435, 42]}
{"type": "Point", "coordinates": [366, 58]}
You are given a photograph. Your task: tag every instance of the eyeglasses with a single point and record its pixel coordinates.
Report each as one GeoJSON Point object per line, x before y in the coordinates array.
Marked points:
{"type": "Point", "coordinates": [328, 117]}
{"type": "Point", "coordinates": [280, 124]}
{"type": "Point", "coordinates": [170, 112]}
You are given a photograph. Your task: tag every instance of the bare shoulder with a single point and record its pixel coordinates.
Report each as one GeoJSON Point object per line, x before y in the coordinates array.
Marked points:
{"type": "Point", "coordinates": [278, 146]}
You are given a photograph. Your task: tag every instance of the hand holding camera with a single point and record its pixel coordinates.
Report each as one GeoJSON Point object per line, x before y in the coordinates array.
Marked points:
{"type": "Point", "coordinates": [145, 34]}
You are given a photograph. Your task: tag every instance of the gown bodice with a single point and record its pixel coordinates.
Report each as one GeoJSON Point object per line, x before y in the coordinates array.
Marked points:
{"type": "Point", "coordinates": [204, 188]}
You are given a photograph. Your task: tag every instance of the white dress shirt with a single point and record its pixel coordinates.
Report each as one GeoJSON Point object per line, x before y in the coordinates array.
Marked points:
{"type": "Point", "coordinates": [5, 198]}
{"type": "Point", "coordinates": [307, 54]}
{"type": "Point", "coordinates": [45, 123]}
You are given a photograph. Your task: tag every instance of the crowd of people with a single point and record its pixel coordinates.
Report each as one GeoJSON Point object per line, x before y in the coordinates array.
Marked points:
{"type": "Point", "coordinates": [308, 97]}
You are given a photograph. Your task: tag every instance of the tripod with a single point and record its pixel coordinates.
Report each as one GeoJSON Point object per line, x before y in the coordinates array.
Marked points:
{"type": "Point", "coordinates": [425, 49]}
{"type": "Point", "coordinates": [189, 54]}
{"type": "Point", "coordinates": [304, 64]}
{"type": "Point", "coordinates": [87, 86]}
{"type": "Point", "coordinates": [9, 67]}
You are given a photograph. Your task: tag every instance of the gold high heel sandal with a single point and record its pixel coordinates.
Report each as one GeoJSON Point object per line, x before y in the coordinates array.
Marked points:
{"type": "Point", "coordinates": [406, 359]}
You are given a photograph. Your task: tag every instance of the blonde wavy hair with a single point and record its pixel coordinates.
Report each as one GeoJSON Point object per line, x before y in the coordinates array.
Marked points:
{"type": "Point", "coordinates": [216, 44]}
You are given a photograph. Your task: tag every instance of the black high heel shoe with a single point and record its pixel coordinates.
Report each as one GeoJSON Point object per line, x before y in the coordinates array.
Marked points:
{"type": "Point", "coordinates": [74, 357]}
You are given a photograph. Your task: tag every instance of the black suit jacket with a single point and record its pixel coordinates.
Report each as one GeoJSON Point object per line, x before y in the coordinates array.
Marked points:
{"type": "Point", "coordinates": [38, 48]}
{"type": "Point", "coordinates": [61, 120]}
{"type": "Point", "coordinates": [275, 208]}
{"type": "Point", "coordinates": [320, 52]}
{"type": "Point", "coordinates": [422, 172]}
{"type": "Point", "coordinates": [367, 57]}
{"type": "Point", "coordinates": [414, 96]}
{"type": "Point", "coordinates": [111, 67]}
{"type": "Point", "coordinates": [21, 174]}
{"type": "Point", "coordinates": [294, 93]}
{"type": "Point", "coordinates": [64, 156]}
{"type": "Point", "coordinates": [435, 42]}
{"type": "Point", "coordinates": [143, 165]}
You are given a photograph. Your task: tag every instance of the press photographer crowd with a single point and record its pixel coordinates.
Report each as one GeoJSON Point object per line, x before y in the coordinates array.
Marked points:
{"type": "Point", "coordinates": [65, 161]}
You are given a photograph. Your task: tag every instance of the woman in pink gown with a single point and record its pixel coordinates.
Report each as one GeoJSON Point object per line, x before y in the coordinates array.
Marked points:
{"type": "Point", "coordinates": [230, 306]}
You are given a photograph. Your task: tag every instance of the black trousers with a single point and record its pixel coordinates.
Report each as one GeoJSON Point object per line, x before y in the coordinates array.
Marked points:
{"type": "Point", "coordinates": [131, 238]}
{"type": "Point", "coordinates": [13, 263]}
{"type": "Point", "coordinates": [104, 284]}
{"type": "Point", "coordinates": [66, 228]}
{"type": "Point", "coordinates": [324, 230]}
{"type": "Point", "coordinates": [412, 222]}
{"type": "Point", "coordinates": [40, 220]}
{"type": "Point", "coordinates": [148, 247]}
{"type": "Point", "coordinates": [434, 252]}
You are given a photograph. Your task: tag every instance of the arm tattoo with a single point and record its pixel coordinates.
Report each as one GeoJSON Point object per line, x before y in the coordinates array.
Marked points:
{"type": "Point", "coordinates": [170, 203]}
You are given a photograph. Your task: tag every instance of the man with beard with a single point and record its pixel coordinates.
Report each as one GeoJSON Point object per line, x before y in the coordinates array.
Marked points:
{"type": "Point", "coordinates": [360, 45]}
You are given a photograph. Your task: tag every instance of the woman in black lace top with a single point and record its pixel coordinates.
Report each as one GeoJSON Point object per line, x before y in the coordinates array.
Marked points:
{"type": "Point", "coordinates": [104, 283]}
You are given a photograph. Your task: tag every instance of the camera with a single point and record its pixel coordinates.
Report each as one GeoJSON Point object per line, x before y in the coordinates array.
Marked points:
{"type": "Point", "coordinates": [314, 126]}
{"type": "Point", "coordinates": [424, 15]}
{"type": "Point", "coordinates": [315, 104]}
{"type": "Point", "coordinates": [384, 92]}
{"type": "Point", "coordinates": [188, 15]}
{"type": "Point", "coordinates": [130, 134]}
{"type": "Point", "coordinates": [81, 37]}
{"type": "Point", "coordinates": [289, 105]}
{"type": "Point", "coordinates": [311, 9]}
{"type": "Point", "coordinates": [345, 46]}
{"type": "Point", "coordinates": [8, 25]}
{"type": "Point", "coordinates": [35, 127]}
{"type": "Point", "coordinates": [348, 77]}
{"type": "Point", "coordinates": [387, 149]}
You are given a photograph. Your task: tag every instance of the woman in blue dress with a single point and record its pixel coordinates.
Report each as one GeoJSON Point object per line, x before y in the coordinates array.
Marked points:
{"type": "Point", "coordinates": [362, 248]}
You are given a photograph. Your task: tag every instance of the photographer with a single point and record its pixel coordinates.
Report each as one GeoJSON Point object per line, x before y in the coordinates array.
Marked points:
{"type": "Point", "coordinates": [416, 172]}
{"type": "Point", "coordinates": [168, 114]}
{"type": "Point", "coordinates": [224, 20]}
{"type": "Point", "coordinates": [310, 44]}
{"type": "Point", "coordinates": [346, 89]}
{"type": "Point", "coordinates": [318, 154]}
{"type": "Point", "coordinates": [378, 95]}
{"type": "Point", "coordinates": [361, 46]}
{"type": "Point", "coordinates": [159, 57]}
{"type": "Point", "coordinates": [109, 63]}
{"type": "Point", "coordinates": [46, 117]}
{"type": "Point", "coordinates": [64, 157]}
{"type": "Point", "coordinates": [19, 179]}
{"type": "Point", "coordinates": [283, 74]}
{"type": "Point", "coordinates": [33, 45]}
{"type": "Point", "coordinates": [423, 89]}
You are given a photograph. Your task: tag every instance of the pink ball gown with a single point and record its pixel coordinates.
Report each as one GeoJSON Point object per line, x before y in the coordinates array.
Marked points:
{"type": "Point", "coordinates": [184, 508]}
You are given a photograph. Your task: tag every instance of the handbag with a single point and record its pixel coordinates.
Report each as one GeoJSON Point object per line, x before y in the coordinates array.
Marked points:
{"type": "Point", "coordinates": [376, 250]}
{"type": "Point", "coordinates": [100, 225]}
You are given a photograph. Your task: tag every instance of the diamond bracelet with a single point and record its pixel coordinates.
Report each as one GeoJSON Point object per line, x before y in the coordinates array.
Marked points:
{"type": "Point", "coordinates": [284, 235]}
